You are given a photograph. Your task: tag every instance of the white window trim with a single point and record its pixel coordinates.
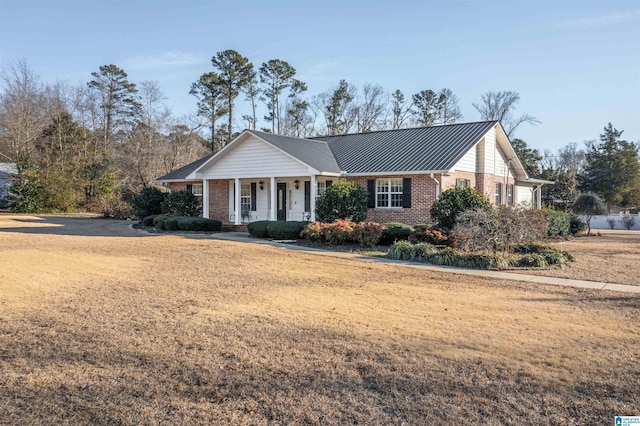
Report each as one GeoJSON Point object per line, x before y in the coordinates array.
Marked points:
{"type": "Point", "coordinates": [245, 199]}
{"type": "Point", "coordinates": [321, 187]}
{"type": "Point", "coordinates": [196, 189]}
{"type": "Point", "coordinates": [390, 193]}
{"type": "Point", "coordinates": [497, 195]}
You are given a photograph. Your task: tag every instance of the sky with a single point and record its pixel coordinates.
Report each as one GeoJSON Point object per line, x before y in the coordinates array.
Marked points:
{"type": "Point", "coordinates": [575, 63]}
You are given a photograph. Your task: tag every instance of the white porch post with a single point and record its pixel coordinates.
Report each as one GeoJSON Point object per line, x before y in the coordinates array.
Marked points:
{"type": "Point", "coordinates": [539, 197]}
{"type": "Point", "coordinates": [274, 199]}
{"type": "Point", "coordinates": [312, 197]}
{"type": "Point", "coordinates": [238, 215]}
{"type": "Point", "coordinates": [205, 198]}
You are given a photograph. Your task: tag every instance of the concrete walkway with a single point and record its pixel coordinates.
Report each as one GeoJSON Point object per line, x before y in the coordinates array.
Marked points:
{"type": "Point", "coordinates": [245, 238]}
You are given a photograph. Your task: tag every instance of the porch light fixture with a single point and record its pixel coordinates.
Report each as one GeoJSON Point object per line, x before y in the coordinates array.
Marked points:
{"type": "Point", "coordinates": [297, 183]}
{"type": "Point", "coordinates": [261, 185]}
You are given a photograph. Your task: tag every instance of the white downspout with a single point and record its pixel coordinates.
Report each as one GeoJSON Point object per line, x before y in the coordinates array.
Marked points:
{"type": "Point", "coordinates": [437, 186]}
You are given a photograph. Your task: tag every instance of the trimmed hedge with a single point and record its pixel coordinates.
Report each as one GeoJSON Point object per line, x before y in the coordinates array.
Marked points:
{"type": "Point", "coordinates": [148, 220]}
{"type": "Point", "coordinates": [258, 228]}
{"type": "Point", "coordinates": [160, 220]}
{"type": "Point", "coordinates": [276, 230]}
{"type": "Point", "coordinates": [395, 231]}
{"type": "Point", "coordinates": [186, 223]}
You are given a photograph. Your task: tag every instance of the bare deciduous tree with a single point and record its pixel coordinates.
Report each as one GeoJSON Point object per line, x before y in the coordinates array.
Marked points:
{"type": "Point", "coordinates": [499, 106]}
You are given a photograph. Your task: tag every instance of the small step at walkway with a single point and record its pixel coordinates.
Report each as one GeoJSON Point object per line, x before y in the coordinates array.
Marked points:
{"type": "Point", "coordinates": [246, 238]}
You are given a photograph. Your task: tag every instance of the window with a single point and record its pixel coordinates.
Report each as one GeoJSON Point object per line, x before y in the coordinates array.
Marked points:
{"type": "Point", "coordinates": [510, 194]}
{"type": "Point", "coordinates": [497, 194]}
{"type": "Point", "coordinates": [196, 189]}
{"type": "Point", "coordinates": [322, 186]}
{"type": "Point", "coordinates": [245, 197]}
{"type": "Point", "coordinates": [389, 192]}
{"type": "Point", "coordinates": [463, 183]}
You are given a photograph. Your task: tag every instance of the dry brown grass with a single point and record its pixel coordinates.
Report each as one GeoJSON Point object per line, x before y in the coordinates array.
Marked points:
{"type": "Point", "coordinates": [178, 330]}
{"type": "Point", "coordinates": [612, 257]}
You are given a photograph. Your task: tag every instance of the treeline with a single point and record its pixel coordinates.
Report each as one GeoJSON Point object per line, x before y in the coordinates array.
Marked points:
{"type": "Point", "coordinates": [609, 168]}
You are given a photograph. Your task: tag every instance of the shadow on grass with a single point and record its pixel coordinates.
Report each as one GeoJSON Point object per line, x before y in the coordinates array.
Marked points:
{"type": "Point", "coordinates": [72, 225]}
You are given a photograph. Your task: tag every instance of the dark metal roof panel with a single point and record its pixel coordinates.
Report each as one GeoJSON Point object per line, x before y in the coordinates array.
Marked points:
{"type": "Point", "coordinates": [314, 153]}
{"type": "Point", "coordinates": [184, 171]}
{"type": "Point", "coordinates": [434, 148]}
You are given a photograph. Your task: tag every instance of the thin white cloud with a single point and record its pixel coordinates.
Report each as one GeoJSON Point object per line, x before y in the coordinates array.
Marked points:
{"type": "Point", "coordinates": [317, 71]}
{"type": "Point", "coordinates": [600, 21]}
{"type": "Point", "coordinates": [163, 60]}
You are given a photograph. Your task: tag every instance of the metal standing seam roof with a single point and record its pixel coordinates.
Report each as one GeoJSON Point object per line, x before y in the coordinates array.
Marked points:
{"type": "Point", "coordinates": [315, 153]}
{"type": "Point", "coordinates": [423, 149]}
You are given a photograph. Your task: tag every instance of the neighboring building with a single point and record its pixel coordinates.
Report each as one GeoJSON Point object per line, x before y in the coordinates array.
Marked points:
{"type": "Point", "coordinates": [404, 171]}
{"type": "Point", "coordinates": [6, 170]}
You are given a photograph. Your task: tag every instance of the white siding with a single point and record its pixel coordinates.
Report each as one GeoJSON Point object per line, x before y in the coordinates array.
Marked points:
{"type": "Point", "coordinates": [524, 196]}
{"type": "Point", "coordinates": [468, 162]}
{"type": "Point", "coordinates": [253, 158]}
{"type": "Point", "coordinates": [489, 151]}
{"type": "Point", "coordinates": [491, 159]}
{"type": "Point", "coordinates": [501, 164]}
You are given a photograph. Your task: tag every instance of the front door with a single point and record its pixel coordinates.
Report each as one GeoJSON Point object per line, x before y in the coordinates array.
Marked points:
{"type": "Point", "coordinates": [282, 201]}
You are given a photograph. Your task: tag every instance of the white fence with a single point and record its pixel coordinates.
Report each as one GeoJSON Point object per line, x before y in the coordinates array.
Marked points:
{"type": "Point", "coordinates": [602, 222]}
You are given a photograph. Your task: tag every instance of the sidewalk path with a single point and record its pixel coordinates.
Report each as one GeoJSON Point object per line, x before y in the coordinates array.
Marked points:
{"type": "Point", "coordinates": [245, 238]}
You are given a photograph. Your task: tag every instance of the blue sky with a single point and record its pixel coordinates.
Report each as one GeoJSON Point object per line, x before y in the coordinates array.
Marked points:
{"type": "Point", "coordinates": [576, 64]}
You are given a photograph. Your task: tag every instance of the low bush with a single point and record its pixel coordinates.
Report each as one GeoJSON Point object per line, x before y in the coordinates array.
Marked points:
{"type": "Point", "coordinates": [558, 222]}
{"type": "Point", "coordinates": [339, 231]}
{"type": "Point", "coordinates": [285, 230]}
{"type": "Point", "coordinates": [367, 234]}
{"type": "Point", "coordinates": [313, 232]}
{"type": "Point", "coordinates": [159, 221]}
{"type": "Point", "coordinates": [191, 223]}
{"type": "Point", "coordinates": [148, 220]}
{"type": "Point", "coordinates": [258, 229]}
{"type": "Point", "coordinates": [395, 231]}
{"type": "Point", "coordinates": [628, 222]}
{"type": "Point", "coordinates": [181, 203]}
{"type": "Point", "coordinates": [430, 236]}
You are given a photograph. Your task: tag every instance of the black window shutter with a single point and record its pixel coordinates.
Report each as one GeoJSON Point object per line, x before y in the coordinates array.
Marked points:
{"type": "Point", "coordinates": [329, 183]}
{"type": "Point", "coordinates": [371, 188]}
{"type": "Point", "coordinates": [190, 188]}
{"type": "Point", "coordinates": [307, 196]}
{"type": "Point", "coordinates": [253, 196]}
{"type": "Point", "coordinates": [406, 193]}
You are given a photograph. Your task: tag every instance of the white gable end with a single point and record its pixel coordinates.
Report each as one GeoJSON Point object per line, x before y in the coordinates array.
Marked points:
{"type": "Point", "coordinates": [254, 158]}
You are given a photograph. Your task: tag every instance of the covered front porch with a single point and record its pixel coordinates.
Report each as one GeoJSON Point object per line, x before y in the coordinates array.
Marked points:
{"type": "Point", "coordinates": [239, 201]}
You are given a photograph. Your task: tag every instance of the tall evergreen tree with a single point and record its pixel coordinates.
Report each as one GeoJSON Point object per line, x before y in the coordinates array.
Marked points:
{"type": "Point", "coordinates": [276, 75]}
{"type": "Point", "coordinates": [612, 169]}
{"type": "Point", "coordinates": [529, 157]}
{"type": "Point", "coordinates": [236, 72]}
{"type": "Point", "coordinates": [212, 103]}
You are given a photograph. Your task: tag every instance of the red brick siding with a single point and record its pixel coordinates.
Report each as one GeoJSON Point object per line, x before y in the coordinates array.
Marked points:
{"type": "Point", "coordinates": [423, 195]}
{"type": "Point", "coordinates": [219, 200]}
{"type": "Point", "coordinates": [449, 181]}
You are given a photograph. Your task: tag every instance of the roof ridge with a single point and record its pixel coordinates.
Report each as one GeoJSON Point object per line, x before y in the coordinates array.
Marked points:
{"type": "Point", "coordinates": [260, 132]}
{"type": "Point", "coordinates": [406, 128]}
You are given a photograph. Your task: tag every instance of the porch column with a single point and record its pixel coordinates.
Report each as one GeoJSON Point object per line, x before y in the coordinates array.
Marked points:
{"type": "Point", "coordinates": [539, 197]}
{"type": "Point", "coordinates": [312, 197]}
{"type": "Point", "coordinates": [274, 199]}
{"type": "Point", "coordinates": [238, 215]}
{"type": "Point", "coordinates": [205, 198]}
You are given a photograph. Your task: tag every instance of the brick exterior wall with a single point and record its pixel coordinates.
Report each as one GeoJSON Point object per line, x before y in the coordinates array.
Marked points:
{"type": "Point", "coordinates": [423, 195]}
{"type": "Point", "coordinates": [219, 200]}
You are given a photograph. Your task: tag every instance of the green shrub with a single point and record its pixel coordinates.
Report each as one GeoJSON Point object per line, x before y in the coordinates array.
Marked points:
{"type": "Point", "coordinates": [395, 231]}
{"type": "Point", "coordinates": [148, 220]}
{"type": "Point", "coordinates": [148, 202]}
{"type": "Point", "coordinates": [191, 223]}
{"type": "Point", "coordinates": [285, 230]}
{"type": "Point", "coordinates": [367, 234]}
{"type": "Point", "coordinates": [454, 201]}
{"type": "Point", "coordinates": [313, 232]}
{"type": "Point", "coordinates": [159, 221]}
{"type": "Point", "coordinates": [431, 236]}
{"type": "Point", "coordinates": [181, 203]}
{"type": "Point", "coordinates": [258, 229]}
{"type": "Point", "coordinates": [558, 222]}
{"type": "Point", "coordinates": [401, 250]}
{"type": "Point", "coordinates": [171, 223]}
{"type": "Point", "coordinates": [339, 231]}
{"type": "Point", "coordinates": [342, 200]}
